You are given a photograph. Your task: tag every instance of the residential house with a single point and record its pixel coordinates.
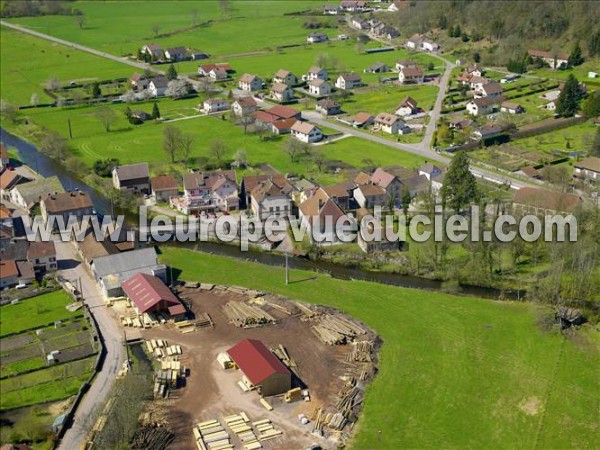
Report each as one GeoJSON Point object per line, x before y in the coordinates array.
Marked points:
{"type": "Point", "coordinates": [196, 56]}
{"type": "Point", "coordinates": [132, 177]}
{"type": "Point", "coordinates": [282, 92]}
{"type": "Point", "coordinates": [319, 87]}
{"type": "Point", "coordinates": [430, 170]}
{"type": "Point", "coordinates": [414, 42]}
{"type": "Point", "coordinates": [385, 244]}
{"type": "Point", "coordinates": [306, 132]}
{"type": "Point", "coordinates": [8, 180]}
{"type": "Point", "coordinates": [272, 198]}
{"type": "Point", "coordinates": [349, 80]}
{"type": "Point", "coordinates": [205, 70]}
{"type": "Point", "coordinates": [397, 5]}
{"type": "Point", "coordinates": [459, 123]}
{"type": "Point", "coordinates": [411, 75]}
{"type": "Point", "coordinates": [330, 10]}
{"type": "Point", "coordinates": [353, 5]}
{"type": "Point", "coordinates": [429, 45]}
{"type": "Point", "coordinates": [475, 70]}
{"type": "Point", "coordinates": [340, 193]}
{"type": "Point", "coordinates": [491, 89]}
{"type": "Point", "coordinates": [281, 126]}
{"type": "Point", "coordinates": [388, 181]}
{"type": "Point", "coordinates": [530, 172]}
{"type": "Point", "coordinates": [482, 106]}
{"type": "Point", "coordinates": [407, 107]}
{"type": "Point", "coordinates": [387, 32]}
{"type": "Point", "coordinates": [362, 120]}
{"type": "Point", "coordinates": [164, 187]}
{"type": "Point", "coordinates": [284, 112]}
{"type": "Point", "coordinates": [149, 294]}
{"type": "Point", "coordinates": [477, 83]}
{"type": "Point", "coordinates": [389, 123]}
{"type": "Point", "coordinates": [486, 132]}
{"type": "Point", "coordinates": [140, 115]}
{"type": "Point", "coordinates": [155, 51]}
{"type": "Point", "coordinates": [208, 191]}
{"type": "Point", "coordinates": [66, 205]}
{"type": "Point", "coordinates": [316, 72]}
{"type": "Point", "coordinates": [405, 64]}
{"type": "Point", "coordinates": [250, 83]}
{"type": "Point", "coordinates": [13, 273]}
{"type": "Point", "coordinates": [139, 82]}
{"type": "Point", "coordinates": [377, 67]}
{"type": "Point", "coordinates": [175, 54]}
{"type": "Point", "coordinates": [360, 24]}
{"type": "Point", "coordinates": [158, 86]}
{"type": "Point", "coordinates": [511, 108]}
{"type": "Point", "coordinates": [370, 195]}
{"type": "Point", "coordinates": [43, 256]}
{"type": "Point", "coordinates": [588, 169]}
{"type": "Point", "coordinates": [285, 77]}
{"type": "Point", "coordinates": [28, 195]}
{"type": "Point", "coordinates": [111, 271]}
{"type": "Point", "coordinates": [528, 200]}
{"type": "Point", "coordinates": [313, 38]}
{"type": "Point", "coordinates": [244, 106]}
{"type": "Point", "coordinates": [328, 107]}
{"type": "Point", "coordinates": [555, 61]}
{"type": "Point", "coordinates": [251, 182]}
{"type": "Point", "coordinates": [216, 104]}
{"type": "Point", "coordinates": [321, 218]}
{"type": "Point", "coordinates": [218, 74]}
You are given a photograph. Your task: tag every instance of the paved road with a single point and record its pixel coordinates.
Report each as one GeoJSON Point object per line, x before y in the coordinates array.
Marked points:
{"type": "Point", "coordinates": [72, 269]}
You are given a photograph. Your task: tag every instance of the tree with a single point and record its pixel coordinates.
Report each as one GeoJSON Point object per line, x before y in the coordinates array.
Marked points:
{"type": "Point", "coordinates": [595, 150]}
{"type": "Point", "coordinates": [477, 57]}
{"type": "Point", "coordinates": [497, 28]}
{"type": "Point", "coordinates": [96, 91]}
{"type": "Point", "coordinates": [171, 140]}
{"type": "Point", "coordinates": [576, 57]}
{"type": "Point", "coordinates": [460, 187]}
{"type": "Point", "coordinates": [171, 73]}
{"type": "Point", "coordinates": [106, 117]}
{"type": "Point", "coordinates": [206, 85]}
{"type": "Point", "coordinates": [568, 100]}
{"type": "Point", "coordinates": [442, 22]}
{"type": "Point", "coordinates": [319, 159]}
{"type": "Point", "coordinates": [176, 89]}
{"type": "Point", "coordinates": [594, 44]}
{"type": "Point", "coordinates": [217, 151]}
{"type": "Point", "coordinates": [591, 106]}
{"type": "Point", "coordinates": [292, 148]}
{"type": "Point", "coordinates": [52, 83]}
{"type": "Point", "coordinates": [53, 145]}
{"type": "Point", "coordinates": [155, 111]}
{"type": "Point", "coordinates": [35, 99]}
{"type": "Point", "coordinates": [186, 142]}
{"type": "Point", "coordinates": [405, 201]}
{"type": "Point", "coordinates": [128, 113]}
{"type": "Point", "coordinates": [240, 158]}
{"type": "Point", "coordinates": [80, 19]}
{"type": "Point", "coordinates": [321, 60]}
{"type": "Point", "coordinates": [430, 66]}
{"type": "Point", "coordinates": [129, 96]}
{"type": "Point", "coordinates": [155, 29]}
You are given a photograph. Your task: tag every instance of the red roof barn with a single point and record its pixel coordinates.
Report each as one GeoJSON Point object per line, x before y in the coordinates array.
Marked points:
{"type": "Point", "coordinates": [261, 367]}
{"type": "Point", "coordinates": [150, 294]}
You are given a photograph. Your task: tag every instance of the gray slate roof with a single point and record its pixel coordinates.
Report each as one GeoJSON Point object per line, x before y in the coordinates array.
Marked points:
{"type": "Point", "coordinates": [126, 263]}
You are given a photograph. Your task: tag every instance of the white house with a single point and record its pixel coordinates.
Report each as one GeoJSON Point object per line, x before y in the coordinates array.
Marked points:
{"type": "Point", "coordinates": [306, 132]}
{"type": "Point", "coordinates": [481, 106]}
{"type": "Point", "coordinates": [511, 108]}
{"type": "Point", "coordinates": [250, 83]}
{"type": "Point", "coordinates": [389, 123]}
{"type": "Point", "coordinates": [216, 104]}
{"type": "Point", "coordinates": [316, 37]}
{"type": "Point", "coordinates": [403, 64]}
{"type": "Point", "coordinates": [285, 77]}
{"type": "Point", "coordinates": [411, 75]}
{"type": "Point", "coordinates": [176, 54]}
{"type": "Point", "coordinates": [407, 107]}
{"type": "Point", "coordinates": [491, 89]}
{"type": "Point", "coordinates": [282, 92]}
{"type": "Point", "coordinates": [555, 61]}
{"type": "Point", "coordinates": [316, 72]}
{"type": "Point", "coordinates": [321, 215]}
{"type": "Point", "coordinates": [218, 74]}
{"type": "Point", "coordinates": [244, 106]}
{"type": "Point", "coordinates": [158, 86]}
{"type": "Point", "coordinates": [271, 198]}
{"type": "Point", "coordinates": [430, 170]}
{"type": "Point", "coordinates": [319, 87]}
{"type": "Point", "coordinates": [349, 80]}
{"type": "Point", "coordinates": [588, 169]}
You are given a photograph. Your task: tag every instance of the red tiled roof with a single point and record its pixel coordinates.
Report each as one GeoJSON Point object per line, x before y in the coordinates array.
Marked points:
{"type": "Point", "coordinates": [382, 178]}
{"type": "Point", "coordinates": [284, 112]}
{"type": "Point", "coordinates": [41, 250]}
{"type": "Point", "coordinates": [256, 361]}
{"type": "Point", "coordinates": [8, 269]}
{"type": "Point", "coordinates": [164, 183]}
{"type": "Point", "coordinates": [148, 292]}
{"type": "Point", "coordinates": [542, 198]}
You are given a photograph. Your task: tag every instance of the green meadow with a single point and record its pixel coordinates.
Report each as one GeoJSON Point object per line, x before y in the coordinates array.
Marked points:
{"type": "Point", "coordinates": [454, 372]}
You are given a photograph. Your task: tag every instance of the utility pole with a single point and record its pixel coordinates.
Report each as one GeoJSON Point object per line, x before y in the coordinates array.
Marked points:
{"type": "Point", "coordinates": [128, 361]}
{"type": "Point", "coordinates": [287, 269]}
{"type": "Point", "coordinates": [70, 131]}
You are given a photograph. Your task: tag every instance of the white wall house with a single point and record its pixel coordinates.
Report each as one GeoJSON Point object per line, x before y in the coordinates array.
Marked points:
{"type": "Point", "coordinates": [306, 132]}
{"type": "Point", "coordinates": [319, 87]}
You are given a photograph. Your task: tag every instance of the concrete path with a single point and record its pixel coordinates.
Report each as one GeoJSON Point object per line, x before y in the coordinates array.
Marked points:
{"type": "Point", "coordinates": [72, 269]}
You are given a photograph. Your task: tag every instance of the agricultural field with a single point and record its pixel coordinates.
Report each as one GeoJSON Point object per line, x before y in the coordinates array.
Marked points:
{"type": "Point", "coordinates": [440, 353]}
{"type": "Point", "coordinates": [574, 138]}
{"type": "Point", "coordinates": [20, 77]}
{"type": "Point", "coordinates": [386, 98]}
{"type": "Point", "coordinates": [30, 332]}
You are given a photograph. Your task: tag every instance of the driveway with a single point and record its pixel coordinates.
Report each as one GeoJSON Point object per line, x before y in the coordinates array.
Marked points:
{"type": "Point", "coordinates": [72, 269]}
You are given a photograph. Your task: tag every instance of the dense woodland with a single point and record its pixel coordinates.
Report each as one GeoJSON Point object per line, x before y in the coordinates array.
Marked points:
{"type": "Point", "coordinates": [507, 29]}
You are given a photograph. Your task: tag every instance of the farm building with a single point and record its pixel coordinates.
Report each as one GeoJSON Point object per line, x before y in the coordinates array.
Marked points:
{"type": "Point", "coordinates": [260, 367]}
{"type": "Point", "coordinates": [149, 294]}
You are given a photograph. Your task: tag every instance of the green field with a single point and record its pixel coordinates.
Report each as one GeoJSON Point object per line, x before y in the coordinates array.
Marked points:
{"type": "Point", "coordinates": [35, 312]}
{"type": "Point", "coordinates": [454, 372]}
{"type": "Point", "coordinates": [39, 60]}
{"type": "Point", "coordinates": [578, 136]}
{"type": "Point", "coordinates": [46, 385]}
{"type": "Point", "coordinates": [387, 98]}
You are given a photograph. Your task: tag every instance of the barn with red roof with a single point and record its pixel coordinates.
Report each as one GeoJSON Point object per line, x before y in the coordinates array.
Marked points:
{"type": "Point", "coordinates": [150, 295]}
{"type": "Point", "coordinates": [261, 368]}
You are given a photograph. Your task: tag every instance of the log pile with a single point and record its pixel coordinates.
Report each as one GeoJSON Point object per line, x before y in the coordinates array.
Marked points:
{"type": "Point", "coordinates": [335, 330]}
{"type": "Point", "coordinates": [362, 352]}
{"type": "Point", "coordinates": [149, 438]}
{"type": "Point", "coordinates": [203, 321]}
{"type": "Point", "coordinates": [285, 358]}
{"type": "Point", "coordinates": [306, 311]}
{"type": "Point", "coordinates": [246, 316]}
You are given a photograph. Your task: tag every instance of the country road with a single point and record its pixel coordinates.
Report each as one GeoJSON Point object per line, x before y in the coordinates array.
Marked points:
{"type": "Point", "coordinates": [72, 269]}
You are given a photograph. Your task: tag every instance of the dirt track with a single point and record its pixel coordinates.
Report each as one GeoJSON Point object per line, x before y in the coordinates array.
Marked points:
{"type": "Point", "coordinates": [212, 392]}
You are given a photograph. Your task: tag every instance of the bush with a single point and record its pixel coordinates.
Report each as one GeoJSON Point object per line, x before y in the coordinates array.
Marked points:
{"type": "Point", "coordinates": [135, 120]}
{"type": "Point", "coordinates": [103, 167]}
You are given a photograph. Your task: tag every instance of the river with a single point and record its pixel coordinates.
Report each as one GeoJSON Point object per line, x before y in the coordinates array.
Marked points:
{"type": "Point", "coordinates": [46, 167]}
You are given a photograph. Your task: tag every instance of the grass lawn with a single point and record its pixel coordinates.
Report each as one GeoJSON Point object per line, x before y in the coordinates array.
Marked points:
{"type": "Point", "coordinates": [580, 72]}
{"type": "Point", "coordinates": [579, 136]}
{"type": "Point", "coordinates": [386, 98]}
{"type": "Point", "coordinates": [454, 372]}
{"type": "Point", "coordinates": [35, 312]}
{"type": "Point", "coordinates": [41, 386]}
{"type": "Point", "coordinates": [21, 76]}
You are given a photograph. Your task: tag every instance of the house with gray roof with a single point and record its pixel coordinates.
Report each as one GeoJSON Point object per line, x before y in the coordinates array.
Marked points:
{"type": "Point", "coordinates": [132, 177]}
{"type": "Point", "coordinates": [29, 194]}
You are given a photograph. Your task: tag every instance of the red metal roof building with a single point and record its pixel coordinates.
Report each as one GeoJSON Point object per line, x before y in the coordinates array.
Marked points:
{"type": "Point", "coordinates": [149, 294]}
{"type": "Point", "coordinates": [260, 367]}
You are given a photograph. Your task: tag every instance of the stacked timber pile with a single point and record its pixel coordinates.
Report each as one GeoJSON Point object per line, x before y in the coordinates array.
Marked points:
{"type": "Point", "coordinates": [306, 312]}
{"type": "Point", "coordinates": [336, 330]}
{"type": "Point", "coordinates": [348, 406]}
{"type": "Point", "coordinates": [239, 425]}
{"type": "Point", "coordinates": [266, 430]}
{"type": "Point", "coordinates": [362, 352]}
{"type": "Point", "coordinates": [246, 316]}
{"type": "Point", "coordinates": [285, 358]}
{"type": "Point", "coordinates": [150, 438]}
{"type": "Point", "coordinates": [211, 435]}
{"type": "Point", "coordinates": [203, 321]}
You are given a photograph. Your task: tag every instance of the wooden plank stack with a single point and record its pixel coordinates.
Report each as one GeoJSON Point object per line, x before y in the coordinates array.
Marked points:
{"type": "Point", "coordinates": [239, 425]}
{"type": "Point", "coordinates": [335, 330]}
{"type": "Point", "coordinates": [151, 438]}
{"type": "Point", "coordinates": [306, 311]}
{"type": "Point", "coordinates": [211, 435]}
{"type": "Point", "coordinates": [246, 316]}
{"type": "Point", "coordinates": [266, 430]}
